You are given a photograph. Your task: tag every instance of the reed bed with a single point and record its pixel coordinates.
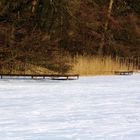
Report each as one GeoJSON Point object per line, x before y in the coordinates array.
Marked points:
{"type": "Point", "coordinates": [82, 65]}
{"type": "Point", "coordinates": [96, 65]}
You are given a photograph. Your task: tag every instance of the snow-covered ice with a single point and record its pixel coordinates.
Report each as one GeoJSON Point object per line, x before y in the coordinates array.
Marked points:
{"type": "Point", "coordinates": [91, 108]}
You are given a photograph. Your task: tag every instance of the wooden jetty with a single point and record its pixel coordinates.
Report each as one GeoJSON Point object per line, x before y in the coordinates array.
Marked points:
{"type": "Point", "coordinates": [42, 76]}
{"type": "Point", "coordinates": [123, 72]}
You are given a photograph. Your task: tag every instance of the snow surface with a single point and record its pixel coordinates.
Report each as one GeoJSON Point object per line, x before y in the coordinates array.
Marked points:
{"type": "Point", "coordinates": [91, 108]}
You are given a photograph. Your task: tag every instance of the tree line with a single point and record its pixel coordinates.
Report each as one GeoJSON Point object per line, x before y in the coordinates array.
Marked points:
{"type": "Point", "coordinates": [43, 32]}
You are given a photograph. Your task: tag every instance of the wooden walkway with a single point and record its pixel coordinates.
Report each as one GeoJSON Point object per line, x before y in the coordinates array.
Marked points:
{"type": "Point", "coordinates": [42, 76]}
{"type": "Point", "coordinates": [123, 72]}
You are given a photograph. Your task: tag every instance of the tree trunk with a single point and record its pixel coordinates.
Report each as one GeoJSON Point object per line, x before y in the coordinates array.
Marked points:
{"type": "Point", "coordinates": [106, 25]}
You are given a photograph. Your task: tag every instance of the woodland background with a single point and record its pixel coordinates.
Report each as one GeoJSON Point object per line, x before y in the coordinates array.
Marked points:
{"type": "Point", "coordinates": [51, 33]}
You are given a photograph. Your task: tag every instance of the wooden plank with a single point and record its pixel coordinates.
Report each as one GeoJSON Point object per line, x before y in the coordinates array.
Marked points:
{"type": "Point", "coordinates": [71, 77]}
{"type": "Point", "coordinates": [123, 72]}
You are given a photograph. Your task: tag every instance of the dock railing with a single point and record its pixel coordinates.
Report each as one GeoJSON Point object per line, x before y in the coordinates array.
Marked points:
{"type": "Point", "coordinates": [43, 76]}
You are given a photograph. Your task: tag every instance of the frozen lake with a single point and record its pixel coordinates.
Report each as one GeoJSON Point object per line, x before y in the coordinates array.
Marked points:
{"type": "Point", "coordinates": [91, 108]}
